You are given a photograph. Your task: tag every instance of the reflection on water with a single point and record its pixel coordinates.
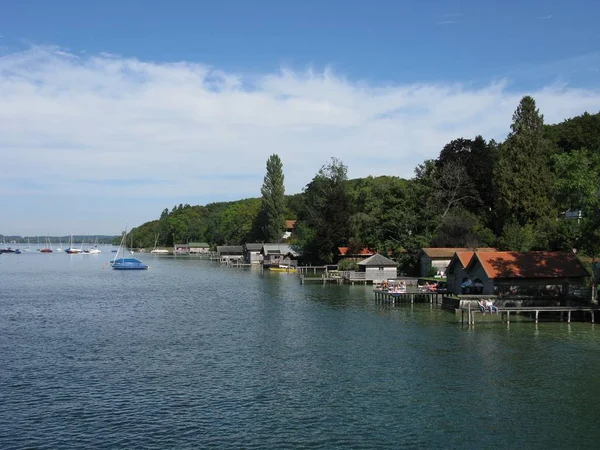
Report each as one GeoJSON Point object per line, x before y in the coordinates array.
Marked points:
{"type": "Point", "coordinates": [192, 355]}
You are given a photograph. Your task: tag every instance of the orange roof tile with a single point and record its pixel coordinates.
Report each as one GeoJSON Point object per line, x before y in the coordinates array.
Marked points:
{"type": "Point", "coordinates": [530, 265]}
{"type": "Point", "coordinates": [290, 224]}
{"type": "Point", "coordinates": [364, 252]}
{"type": "Point", "coordinates": [446, 252]}
{"type": "Point", "coordinates": [465, 257]}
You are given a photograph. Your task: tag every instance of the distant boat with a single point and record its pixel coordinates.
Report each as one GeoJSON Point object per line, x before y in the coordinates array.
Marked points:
{"type": "Point", "coordinates": [283, 268]}
{"type": "Point", "coordinates": [158, 251]}
{"type": "Point", "coordinates": [59, 248]}
{"type": "Point", "coordinates": [72, 250]}
{"type": "Point", "coordinates": [17, 252]}
{"type": "Point", "coordinates": [48, 247]}
{"type": "Point", "coordinates": [126, 263]}
{"type": "Point", "coordinates": [95, 250]}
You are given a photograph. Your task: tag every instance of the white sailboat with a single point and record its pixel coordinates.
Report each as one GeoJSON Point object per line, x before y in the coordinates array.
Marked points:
{"type": "Point", "coordinates": [59, 249]}
{"type": "Point", "coordinates": [158, 251]}
{"type": "Point", "coordinates": [95, 250]}
{"type": "Point", "coordinates": [72, 250]}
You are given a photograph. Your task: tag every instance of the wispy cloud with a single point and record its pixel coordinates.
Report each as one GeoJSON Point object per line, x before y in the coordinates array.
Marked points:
{"type": "Point", "coordinates": [446, 22]}
{"type": "Point", "coordinates": [79, 126]}
{"type": "Point", "coordinates": [548, 17]}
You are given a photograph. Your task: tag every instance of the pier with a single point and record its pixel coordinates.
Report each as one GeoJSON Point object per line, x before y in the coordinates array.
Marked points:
{"type": "Point", "coordinates": [504, 312]}
{"type": "Point", "coordinates": [384, 296]}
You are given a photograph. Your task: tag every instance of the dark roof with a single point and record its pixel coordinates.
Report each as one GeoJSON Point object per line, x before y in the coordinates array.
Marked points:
{"type": "Point", "coordinates": [230, 249]}
{"type": "Point", "coordinates": [253, 247]}
{"type": "Point", "coordinates": [530, 265]}
{"type": "Point", "coordinates": [378, 260]}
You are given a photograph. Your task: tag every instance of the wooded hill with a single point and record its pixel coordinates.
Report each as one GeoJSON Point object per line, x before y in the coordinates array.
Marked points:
{"type": "Point", "coordinates": [539, 189]}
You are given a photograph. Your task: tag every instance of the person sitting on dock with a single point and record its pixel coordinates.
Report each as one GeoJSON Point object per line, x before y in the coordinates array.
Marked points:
{"type": "Point", "coordinates": [491, 307]}
{"type": "Point", "coordinates": [481, 305]}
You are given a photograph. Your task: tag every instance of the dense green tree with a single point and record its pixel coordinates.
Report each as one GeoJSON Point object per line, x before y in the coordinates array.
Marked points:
{"type": "Point", "coordinates": [271, 219]}
{"type": "Point", "coordinates": [522, 173]}
{"type": "Point", "coordinates": [327, 212]}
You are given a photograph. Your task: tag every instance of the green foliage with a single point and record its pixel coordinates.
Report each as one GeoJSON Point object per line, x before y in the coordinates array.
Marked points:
{"type": "Point", "coordinates": [517, 237]}
{"type": "Point", "coordinates": [522, 173]}
{"type": "Point", "coordinates": [348, 264]}
{"type": "Point", "coordinates": [576, 181]}
{"type": "Point", "coordinates": [327, 211]}
{"type": "Point", "coordinates": [271, 220]}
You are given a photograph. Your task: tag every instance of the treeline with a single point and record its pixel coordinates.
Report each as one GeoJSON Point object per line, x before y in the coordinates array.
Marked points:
{"type": "Point", "coordinates": [100, 239]}
{"type": "Point", "coordinates": [536, 190]}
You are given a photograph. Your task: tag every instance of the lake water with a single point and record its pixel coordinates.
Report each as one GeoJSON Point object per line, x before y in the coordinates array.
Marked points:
{"type": "Point", "coordinates": [193, 355]}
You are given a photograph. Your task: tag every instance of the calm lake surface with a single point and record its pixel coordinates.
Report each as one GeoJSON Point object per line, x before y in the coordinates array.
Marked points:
{"type": "Point", "coordinates": [193, 355]}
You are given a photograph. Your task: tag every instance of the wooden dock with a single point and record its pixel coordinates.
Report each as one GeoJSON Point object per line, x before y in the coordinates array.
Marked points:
{"type": "Point", "coordinates": [385, 296]}
{"type": "Point", "coordinates": [505, 312]}
{"type": "Point", "coordinates": [324, 279]}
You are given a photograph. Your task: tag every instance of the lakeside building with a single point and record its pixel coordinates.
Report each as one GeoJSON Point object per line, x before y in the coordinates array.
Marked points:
{"type": "Point", "coordinates": [199, 248]}
{"type": "Point", "coordinates": [289, 228]}
{"type": "Point", "coordinates": [230, 253]}
{"type": "Point", "coordinates": [439, 258]}
{"type": "Point", "coordinates": [252, 253]}
{"type": "Point", "coordinates": [378, 268]}
{"type": "Point", "coordinates": [516, 273]}
{"type": "Point", "coordinates": [279, 254]}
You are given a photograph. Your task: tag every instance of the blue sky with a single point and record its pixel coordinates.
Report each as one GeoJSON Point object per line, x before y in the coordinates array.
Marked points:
{"type": "Point", "coordinates": [114, 110]}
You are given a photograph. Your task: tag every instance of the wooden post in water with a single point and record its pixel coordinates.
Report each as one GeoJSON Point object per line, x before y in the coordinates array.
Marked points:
{"type": "Point", "coordinates": [537, 313]}
{"type": "Point", "coordinates": [569, 317]}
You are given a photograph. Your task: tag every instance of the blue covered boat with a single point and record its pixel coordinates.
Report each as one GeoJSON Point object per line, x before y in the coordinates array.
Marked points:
{"type": "Point", "coordinates": [126, 263]}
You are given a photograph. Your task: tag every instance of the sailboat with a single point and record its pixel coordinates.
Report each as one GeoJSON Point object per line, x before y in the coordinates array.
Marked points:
{"type": "Point", "coordinates": [48, 247]}
{"type": "Point", "coordinates": [123, 263]}
{"type": "Point", "coordinates": [95, 250]}
{"type": "Point", "coordinates": [28, 248]}
{"type": "Point", "coordinates": [72, 250]}
{"type": "Point", "coordinates": [59, 249]}
{"type": "Point", "coordinates": [158, 251]}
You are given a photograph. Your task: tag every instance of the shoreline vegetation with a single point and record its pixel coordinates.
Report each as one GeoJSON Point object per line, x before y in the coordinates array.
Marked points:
{"type": "Point", "coordinates": [536, 190]}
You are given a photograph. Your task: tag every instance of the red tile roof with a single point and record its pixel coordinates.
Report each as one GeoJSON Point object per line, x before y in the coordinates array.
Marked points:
{"type": "Point", "coordinates": [290, 224]}
{"type": "Point", "coordinates": [364, 252]}
{"type": "Point", "coordinates": [465, 257]}
{"type": "Point", "coordinates": [530, 265]}
{"type": "Point", "coordinates": [445, 252]}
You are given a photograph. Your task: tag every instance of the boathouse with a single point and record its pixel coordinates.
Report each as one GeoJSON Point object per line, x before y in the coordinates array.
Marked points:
{"type": "Point", "coordinates": [197, 248]}
{"type": "Point", "coordinates": [252, 253]}
{"type": "Point", "coordinates": [457, 275]}
{"type": "Point", "coordinates": [230, 253]}
{"type": "Point", "coordinates": [181, 249]}
{"type": "Point", "coordinates": [279, 254]}
{"type": "Point", "coordinates": [439, 258]}
{"type": "Point", "coordinates": [517, 273]}
{"type": "Point", "coordinates": [378, 268]}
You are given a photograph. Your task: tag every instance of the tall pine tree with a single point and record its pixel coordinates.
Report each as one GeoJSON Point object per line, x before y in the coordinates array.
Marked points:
{"type": "Point", "coordinates": [272, 213]}
{"type": "Point", "coordinates": [522, 174]}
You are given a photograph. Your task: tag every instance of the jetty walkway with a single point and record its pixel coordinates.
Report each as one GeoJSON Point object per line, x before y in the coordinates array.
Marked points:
{"type": "Point", "coordinates": [505, 312]}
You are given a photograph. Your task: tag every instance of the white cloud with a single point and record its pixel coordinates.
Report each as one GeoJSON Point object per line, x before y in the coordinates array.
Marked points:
{"type": "Point", "coordinates": [80, 127]}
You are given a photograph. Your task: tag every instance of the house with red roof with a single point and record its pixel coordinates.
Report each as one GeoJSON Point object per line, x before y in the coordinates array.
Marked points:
{"type": "Point", "coordinates": [347, 253]}
{"type": "Point", "coordinates": [440, 257]}
{"type": "Point", "coordinates": [516, 273]}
